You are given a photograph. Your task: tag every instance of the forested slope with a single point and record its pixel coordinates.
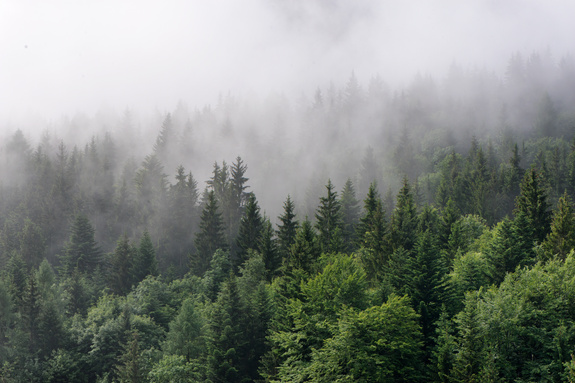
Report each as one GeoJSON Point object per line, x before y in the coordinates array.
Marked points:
{"type": "Point", "coordinates": [422, 234]}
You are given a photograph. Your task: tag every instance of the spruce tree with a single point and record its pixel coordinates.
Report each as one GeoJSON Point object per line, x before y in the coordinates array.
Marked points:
{"type": "Point", "coordinates": [532, 202]}
{"type": "Point", "coordinates": [306, 249]}
{"type": "Point", "coordinates": [250, 230]}
{"type": "Point", "coordinates": [350, 216]}
{"type": "Point", "coordinates": [210, 237]}
{"type": "Point", "coordinates": [144, 259]}
{"type": "Point", "coordinates": [81, 251]}
{"type": "Point", "coordinates": [329, 220]}
{"type": "Point", "coordinates": [268, 248]}
{"type": "Point", "coordinates": [287, 228]}
{"type": "Point", "coordinates": [561, 239]}
{"type": "Point", "coordinates": [372, 234]}
{"type": "Point", "coordinates": [120, 275]}
{"type": "Point", "coordinates": [404, 219]}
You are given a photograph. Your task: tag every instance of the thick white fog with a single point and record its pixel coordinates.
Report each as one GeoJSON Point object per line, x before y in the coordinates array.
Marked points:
{"type": "Point", "coordinates": [61, 57]}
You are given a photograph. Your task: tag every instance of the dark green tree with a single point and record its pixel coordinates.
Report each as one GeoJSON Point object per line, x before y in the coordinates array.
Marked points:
{"type": "Point", "coordinates": [81, 251]}
{"type": "Point", "coordinates": [250, 231]}
{"type": "Point", "coordinates": [121, 276]}
{"type": "Point", "coordinates": [268, 248]}
{"type": "Point", "coordinates": [403, 226]}
{"type": "Point", "coordinates": [210, 237]}
{"type": "Point", "coordinates": [306, 249]}
{"type": "Point", "coordinates": [532, 202]}
{"type": "Point", "coordinates": [329, 220]}
{"type": "Point", "coordinates": [287, 228]}
{"type": "Point", "coordinates": [350, 216]}
{"type": "Point", "coordinates": [561, 239]}
{"type": "Point", "coordinates": [144, 261]}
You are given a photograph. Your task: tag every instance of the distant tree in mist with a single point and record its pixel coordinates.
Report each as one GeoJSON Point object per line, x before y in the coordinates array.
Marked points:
{"type": "Point", "coordinates": [81, 252]}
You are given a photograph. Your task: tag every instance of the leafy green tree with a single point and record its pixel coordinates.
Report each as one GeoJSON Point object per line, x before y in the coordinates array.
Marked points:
{"type": "Point", "coordinates": [81, 251]}
{"type": "Point", "coordinates": [287, 228]}
{"type": "Point", "coordinates": [329, 220]}
{"type": "Point", "coordinates": [210, 237]}
{"type": "Point", "coordinates": [216, 275]}
{"type": "Point", "coordinates": [131, 368]}
{"type": "Point", "coordinates": [379, 344]}
{"type": "Point", "coordinates": [350, 216]}
{"type": "Point", "coordinates": [250, 230]}
{"type": "Point", "coordinates": [186, 336]}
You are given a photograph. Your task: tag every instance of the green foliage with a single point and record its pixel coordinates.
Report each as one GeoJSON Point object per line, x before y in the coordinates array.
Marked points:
{"type": "Point", "coordinates": [329, 220]}
{"type": "Point", "coordinates": [350, 216]}
{"type": "Point", "coordinates": [144, 261]}
{"type": "Point", "coordinates": [379, 344]}
{"type": "Point", "coordinates": [287, 229]}
{"type": "Point", "coordinates": [306, 249]}
{"type": "Point", "coordinates": [561, 239]}
{"type": "Point", "coordinates": [404, 219]}
{"type": "Point", "coordinates": [210, 237]}
{"type": "Point", "coordinates": [250, 231]}
{"type": "Point", "coordinates": [81, 251]}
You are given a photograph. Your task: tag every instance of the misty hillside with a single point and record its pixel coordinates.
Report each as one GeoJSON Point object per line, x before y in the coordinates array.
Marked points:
{"type": "Point", "coordinates": [359, 233]}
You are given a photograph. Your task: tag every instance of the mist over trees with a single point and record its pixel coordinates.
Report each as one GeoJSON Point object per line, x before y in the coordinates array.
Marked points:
{"type": "Point", "coordinates": [358, 233]}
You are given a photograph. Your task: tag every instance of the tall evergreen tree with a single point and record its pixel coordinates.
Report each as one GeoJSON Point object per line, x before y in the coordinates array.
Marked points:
{"type": "Point", "coordinates": [329, 220]}
{"type": "Point", "coordinates": [144, 259]}
{"type": "Point", "coordinates": [306, 249]}
{"type": "Point", "coordinates": [372, 234]}
{"type": "Point", "coordinates": [210, 237]}
{"type": "Point", "coordinates": [250, 230]}
{"type": "Point", "coordinates": [532, 202]}
{"type": "Point", "coordinates": [561, 239]}
{"type": "Point", "coordinates": [81, 251]}
{"type": "Point", "coordinates": [268, 248]}
{"type": "Point", "coordinates": [350, 216]}
{"type": "Point", "coordinates": [120, 275]}
{"type": "Point", "coordinates": [287, 228]}
{"type": "Point", "coordinates": [403, 226]}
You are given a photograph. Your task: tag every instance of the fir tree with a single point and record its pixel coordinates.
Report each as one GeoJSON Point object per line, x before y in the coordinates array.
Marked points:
{"type": "Point", "coordinates": [404, 219]}
{"type": "Point", "coordinates": [287, 228]}
{"type": "Point", "coordinates": [121, 276]}
{"type": "Point", "coordinates": [329, 220]}
{"type": "Point", "coordinates": [81, 251]}
{"type": "Point", "coordinates": [306, 249]}
{"type": "Point", "coordinates": [250, 230]}
{"type": "Point", "coordinates": [268, 248]}
{"type": "Point", "coordinates": [532, 202]}
{"type": "Point", "coordinates": [144, 259]}
{"type": "Point", "coordinates": [561, 239]}
{"type": "Point", "coordinates": [210, 237]}
{"type": "Point", "coordinates": [350, 216]}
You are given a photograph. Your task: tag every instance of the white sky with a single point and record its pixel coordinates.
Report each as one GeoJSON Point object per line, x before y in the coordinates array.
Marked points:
{"type": "Point", "coordinates": [62, 56]}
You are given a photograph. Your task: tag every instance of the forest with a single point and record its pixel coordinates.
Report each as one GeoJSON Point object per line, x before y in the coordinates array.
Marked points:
{"type": "Point", "coordinates": [357, 234]}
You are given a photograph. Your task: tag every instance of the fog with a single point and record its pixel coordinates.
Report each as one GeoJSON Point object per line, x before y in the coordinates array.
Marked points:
{"type": "Point", "coordinates": [62, 57]}
{"type": "Point", "coordinates": [302, 90]}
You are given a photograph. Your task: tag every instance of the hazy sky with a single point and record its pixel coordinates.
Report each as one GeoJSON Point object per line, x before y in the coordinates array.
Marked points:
{"type": "Point", "coordinates": [65, 56]}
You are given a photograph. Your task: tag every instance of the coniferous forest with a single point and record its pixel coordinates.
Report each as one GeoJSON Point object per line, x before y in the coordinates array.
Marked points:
{"type": "Point", "coordinates": [357, 234]}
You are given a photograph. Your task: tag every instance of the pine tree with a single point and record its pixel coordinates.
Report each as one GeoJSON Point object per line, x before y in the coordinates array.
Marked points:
{"type": "Point", "coordinates": [131, 368]}
{"type": "Point", "coordinates": [186, 336]}
{"type": "Point", "coordinates": [404, 219]}
{"type": "Point", "coordinates": [287, 228]}
{"type": "Point", "coordinates": [329, 220]}
{"type": "Point", "coordinates": [121, 275]}
{"type": "Point", "coordinates": [350, 216]}
{"type": "Point", "coordinates": [561, 239]}
{"type": "Point", "coordinates": [227, 342]}
{"type": "Point", "coordinates": [372, 234]}
{"type": "Point", "coordinates": [210, 237]}
{"type": "Point", "coordinates": [532, 201]}
{"type": "Point", "coordinates": [250, 230]}
{"type": "Point", "coordinates": [268, 248]}
{"type": "Point", "coordinates": [81, 251]}
{"type": "Point", "coordinates": [164, 139]}
{"type": "Point", "coordinates": [306, 249]}
{"type": "Point", "coordinates": [144, 259]}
